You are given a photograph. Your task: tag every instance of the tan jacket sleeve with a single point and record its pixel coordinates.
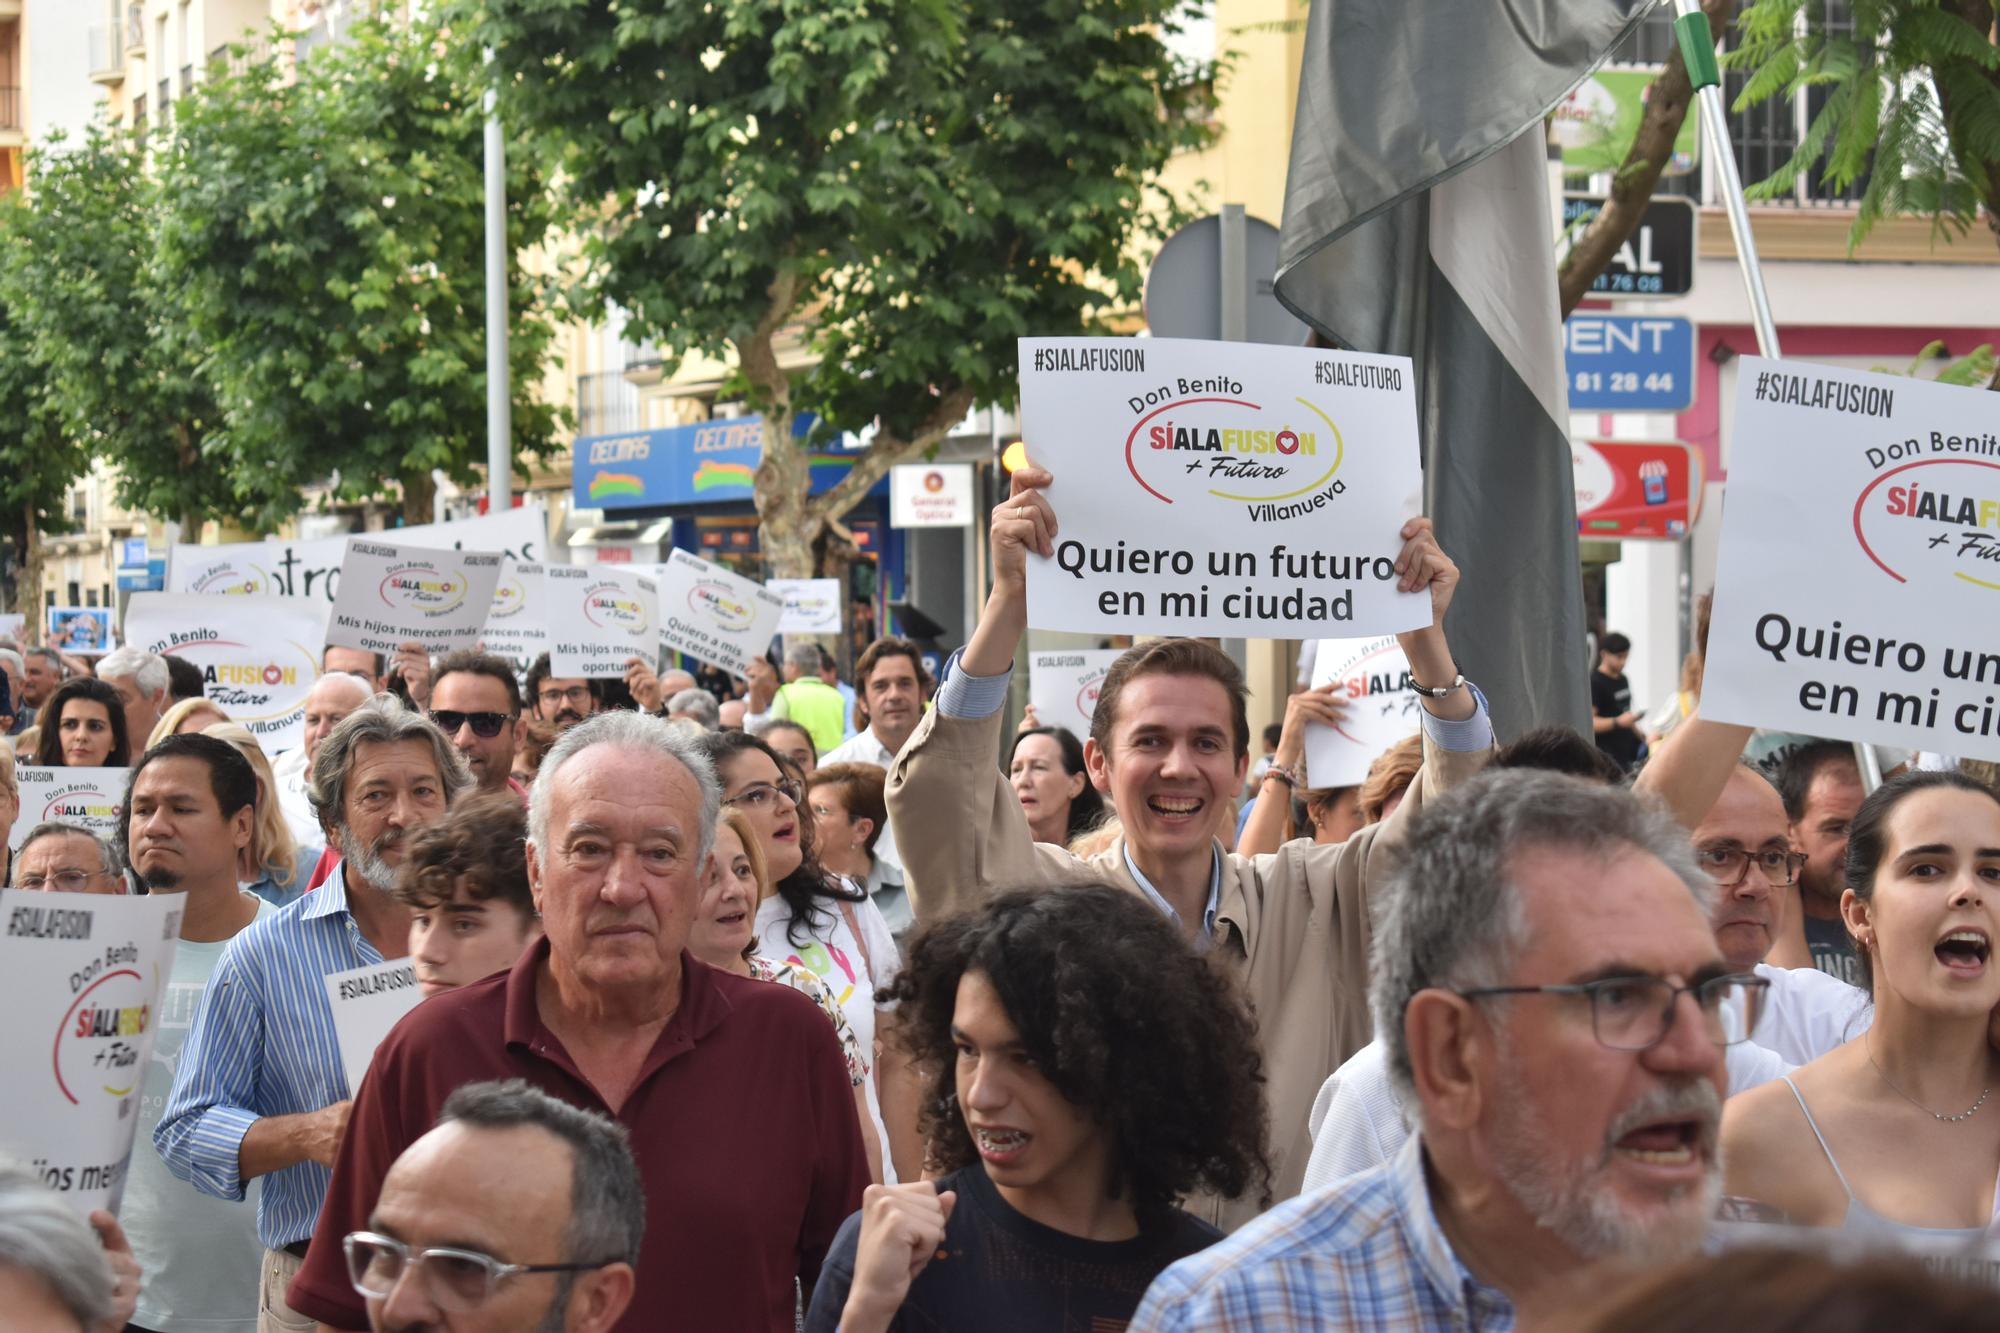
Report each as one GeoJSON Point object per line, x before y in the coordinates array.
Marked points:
{"type": "Point", "coordinates": [958, 825]}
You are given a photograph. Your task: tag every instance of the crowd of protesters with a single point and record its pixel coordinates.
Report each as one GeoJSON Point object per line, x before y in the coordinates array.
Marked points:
{"type": "Point", "coordinates": [791, 1003]}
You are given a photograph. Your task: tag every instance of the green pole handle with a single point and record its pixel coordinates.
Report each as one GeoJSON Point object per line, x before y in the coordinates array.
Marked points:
{"type": "Point", "coordinates": [1697, 49]}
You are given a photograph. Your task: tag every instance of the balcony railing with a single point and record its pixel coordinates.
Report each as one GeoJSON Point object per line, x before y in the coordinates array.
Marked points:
{"type": "Point", "coordinates": [135, 29]}
{"type": "Point", "coordinates": [606, 404]}
{"type": "Point", "coordinates": [10, 107]}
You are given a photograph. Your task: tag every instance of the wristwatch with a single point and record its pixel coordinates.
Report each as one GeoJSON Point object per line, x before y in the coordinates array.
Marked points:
{"type": "Point", "coordinates": [1438, 691]}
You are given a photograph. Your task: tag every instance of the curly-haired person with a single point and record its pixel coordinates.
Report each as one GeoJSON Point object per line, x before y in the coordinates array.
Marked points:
{"type": "Point", "coordinates": [465, 881]}
{"type": "Point", "coordinates": [1085, 1071]}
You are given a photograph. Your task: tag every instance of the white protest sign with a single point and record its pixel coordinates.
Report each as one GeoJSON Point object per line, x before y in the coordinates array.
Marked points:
{"type": "Point", "coordinates": [517, 627]}
{"type": "Point", "coordinates": [711, 614]}
{"type": "Point", "coordinates": [812, 606]}
{"type": "Point", "coordinates": [310, 570]}
{"type": "Point", "coordinates": [1221, 488]}
{"type": "Point", "coordinates": [1859, 572]}
{"type": "Point", "coordinates": [1063, 686]}
{"type": "Point", "coordinates": [13, 624]}
{"type": "Point", "coordinates": [367, 1001]}
{"type": "Point", "coordinates": [85, 972]}
{"type": "Point", "coordinates": [930, 495]}
{"type": "Point", "coordinates": [87, 797]}
{"type": "Point", "coordinates": [258, 656]}
{"type": "Point", "coordinates": [1374, 682]}
{"type": "Point", "coordinates": [600, 616]}
{"type": "Point", "coordinates": [391, 595]}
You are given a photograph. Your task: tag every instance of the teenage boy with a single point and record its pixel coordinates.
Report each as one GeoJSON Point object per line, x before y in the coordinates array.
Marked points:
{"type": "Point", "coordinates": [1085, 1072]}
{"type": "Point", "coordinates": [465, 882]}
{"type": "Point", "coordinates": [1169, 744]}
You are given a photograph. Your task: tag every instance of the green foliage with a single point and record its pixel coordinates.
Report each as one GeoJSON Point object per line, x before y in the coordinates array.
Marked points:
{"type": "Point", "coordinates": [906, 186]}
{"type": "Point", "coordinates": [39, 462]}
{"type": "Point", "coordinates": [326, 237]}
{"type": "Point", "coordinates": [1973, 370]}
{"type": "Point", "coordinates": [1912, 104]}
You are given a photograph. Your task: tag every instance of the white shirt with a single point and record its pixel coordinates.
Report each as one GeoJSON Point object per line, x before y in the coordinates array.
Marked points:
{"type": "Point", "coordinates": [1357, 1120]}
{"type": "Point", "coordinates": [289, 769]}
{"type": "Point", "coordinates": [864, 748]}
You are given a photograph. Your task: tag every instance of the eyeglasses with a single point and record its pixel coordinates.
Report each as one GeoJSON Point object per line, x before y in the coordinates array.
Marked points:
{"type": "Point", "coordinates": [1637, 1013]}
{"type": "Point", "coordinates": [453, 1279]}
{"type": "Point", "coordinates": [575, 694]}
{"type": "Point", "coordinates": [484, 725]}
{"type": "Point", "coordinates": [63, 881]}
{"type": "Point", "coordinates": [1729, 866]}
{"type": "Point", "coordinates": [762, 795]}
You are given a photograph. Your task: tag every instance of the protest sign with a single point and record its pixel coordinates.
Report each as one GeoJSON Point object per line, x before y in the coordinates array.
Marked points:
{"type": "Point", "coordinates": [1221, 488]}
{"type": "Point", "coordinates": [812, 606]}
{"type": "Point", "coordinates": [599, 617]}
{"type": "Point", "coordinates": [391, 595]}
{"type": "Point", "coordinates": [89, 797]}
{"type": "Point", "coordinates": [258, 656]}
{"type": "Point", "coordinates": [13, 624]}
{"type": "Point", "coordinates": [367, 1001]}
{"type": "Point", "coordinates": [79, 629]}
{"type": "Point", "coordinates": [1859, 569]}
{"type": "Point", "coordinates": [84, 974]}
{"type": "Point", "coordinates": [1062, 686]}
{"type": "Point", "coordinates": [1373, 680]}
{"type": "Point", "coordinates": [711, 614]}
{"type": "Point", "coordinates": [310, 570]}
{"type": "Point", "coordinates": [517, 627]}
{"type": "Point", "coordinates": [930, 495]}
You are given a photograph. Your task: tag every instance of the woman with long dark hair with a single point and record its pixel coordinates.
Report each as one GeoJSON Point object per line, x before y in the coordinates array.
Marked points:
{"type": "Point", "coordinates": [1897, 1133]}
{"type": "Point", "coordinates": [1046, 770]}
{"type": "Point", "coordinates": [83, 726]}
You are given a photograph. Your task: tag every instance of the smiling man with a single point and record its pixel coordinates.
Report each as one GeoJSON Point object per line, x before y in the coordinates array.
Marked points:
{"type": "Point", "coordinates": [1552, 1001]}
{"type": "Point", "coordinates": [1170, 746]}
{"type": "Point", "coordinates": [610, 1013]}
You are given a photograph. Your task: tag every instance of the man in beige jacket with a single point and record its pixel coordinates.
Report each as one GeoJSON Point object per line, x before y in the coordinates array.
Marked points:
{"type": "Point", "coordinates": [1170, 746]}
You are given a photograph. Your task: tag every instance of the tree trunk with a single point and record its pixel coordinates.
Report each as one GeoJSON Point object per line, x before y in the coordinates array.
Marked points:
{"type": "Point", "coordinates": [28, 584]}
{"type": "Point", "coordinates": [419, 499]}
{"type": "Point", "coordinates": [1668, 103]}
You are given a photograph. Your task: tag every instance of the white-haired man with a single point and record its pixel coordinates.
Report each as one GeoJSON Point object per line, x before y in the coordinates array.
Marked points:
{"type": "Point", "coordinates": [609, 1012]}
{"type": "Point", "coordinates": [144, 686]}
{"type": "Point", "coordinates": [331, 699]}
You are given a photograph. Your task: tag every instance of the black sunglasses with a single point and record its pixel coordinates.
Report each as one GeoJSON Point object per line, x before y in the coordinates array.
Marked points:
{"type": "Point", "coordinates": [484, 725]}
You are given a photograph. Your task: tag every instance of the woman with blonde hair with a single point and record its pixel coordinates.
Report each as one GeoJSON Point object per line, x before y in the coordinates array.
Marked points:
{"type": "Point", "coordinates": [273, 865]}
{"type": "Point", "coordinates": [187, 715]}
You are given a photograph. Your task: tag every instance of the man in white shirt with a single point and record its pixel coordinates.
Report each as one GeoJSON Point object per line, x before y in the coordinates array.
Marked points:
{"type": "Point", "coordinates": [891, 677]}
{"type": "Point", "coordinates": [337, 694]}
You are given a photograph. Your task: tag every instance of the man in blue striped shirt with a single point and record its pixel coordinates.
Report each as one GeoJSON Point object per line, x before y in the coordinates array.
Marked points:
{"type": "Point", "coordinates": [1550, 996]}
{"type": "Point", "coordinates": [261, 1090]}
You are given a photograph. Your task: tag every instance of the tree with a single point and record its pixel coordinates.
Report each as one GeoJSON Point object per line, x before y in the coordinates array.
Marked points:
{"type": "Point", "coordinates": [326, 233]}
{"type": "Point", "coordinates": [900, 188]}
{"type": "Point", "coordinates": [1912, 103]}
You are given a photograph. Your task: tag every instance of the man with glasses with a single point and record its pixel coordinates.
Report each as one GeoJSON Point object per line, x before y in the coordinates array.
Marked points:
{"type": "Point", "coordinates": [1554, 1010]}
{"type": "Point", "coordinates": [561, 701]}
{"type": "Point", "coordinates": [64, 858]}
{"type": "Point", "coordinates": [517, 1213]}
{"type": "Point", "coordinates": [476, 703]}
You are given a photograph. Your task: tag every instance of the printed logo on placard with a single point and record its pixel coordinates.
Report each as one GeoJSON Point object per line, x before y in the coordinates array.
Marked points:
{"type": "Point", "coordinates": [96, 1049]}
{"type": "Point", "coordinates": [1375, 684]}
{"type": "Point", "coordinates": [1934, 519]}
{"type": "Point", "coordinates": [81, 803]}
{"type": "Point", "coordinates": [808, 603]}
{"type": "Point", "coordinates": [510, 597]}
{"type": "Point", "coordinates": [251, 683]}
{"type": "Point", "coordinates": [420, 586]}
{"type": "Point", "coordinates": [1088, 689]}
{"type": "Point", "coordinates": [611, 606]}
{"type": "Point", "coordinates": [721, 605]}
{"type": "Point", "coordinates": [1279, 459]}
{"type": "Point", "coordinates": [230, 576]}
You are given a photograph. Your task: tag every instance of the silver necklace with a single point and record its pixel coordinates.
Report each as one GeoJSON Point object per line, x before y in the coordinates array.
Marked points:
{"type": "Point", "coordinates": [1935, 1115]}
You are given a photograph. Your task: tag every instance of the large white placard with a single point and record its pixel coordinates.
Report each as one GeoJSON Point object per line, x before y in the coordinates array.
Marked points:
{"type": "Point", "coordinates": [88, 797]}
{"type": "Point", "coordinates": [930, 495]}
{"type": "Point", "coordinates": [258, 656]}
{"type": "Point", "coordinates": [600, 616]}
{"type": "Point", "coordinates": [1063, 686]}
{"type": "Point", "coordinates": [517, 627]}
{"type": "Point", "coordinates": [310, 570]}
{"type": "Point", "coordinates": [812, 606]}
{"type": "Point", "coordinates": [367, 1001]}
{"type": "Point", "coordinates": [1221, 488]}
{"type": "Point", "coordinates": [391, 595]}
{"type": "Point", "coordinates": [1859, 573]}
{"type": "Point", "coordinates": [85, 972]}
{"type": "Point", "coordinates": [1373, 678]}
{"type": "Point", "coordinates": [712, 614]}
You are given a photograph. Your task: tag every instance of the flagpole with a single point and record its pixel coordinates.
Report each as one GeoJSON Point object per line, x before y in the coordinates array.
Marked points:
{"type": "Point", "coordinates": [1697, 43]}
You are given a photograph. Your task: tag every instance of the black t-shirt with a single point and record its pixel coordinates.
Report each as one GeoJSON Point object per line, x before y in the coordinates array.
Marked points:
{"type": "Point", "coordinates": [1611, 696]}
{"type": "Point", "coordinates": [999, 1272]}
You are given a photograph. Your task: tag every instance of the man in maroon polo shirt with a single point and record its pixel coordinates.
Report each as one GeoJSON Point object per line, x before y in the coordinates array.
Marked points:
{"type": "Point", "coordinates": [734, 1091]}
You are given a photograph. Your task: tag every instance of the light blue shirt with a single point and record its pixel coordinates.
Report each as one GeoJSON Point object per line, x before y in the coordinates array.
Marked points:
{"type": "Point", "coordinates": [263, 1044]}
{"type": "Point", "coordinates": [1154, 896]}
